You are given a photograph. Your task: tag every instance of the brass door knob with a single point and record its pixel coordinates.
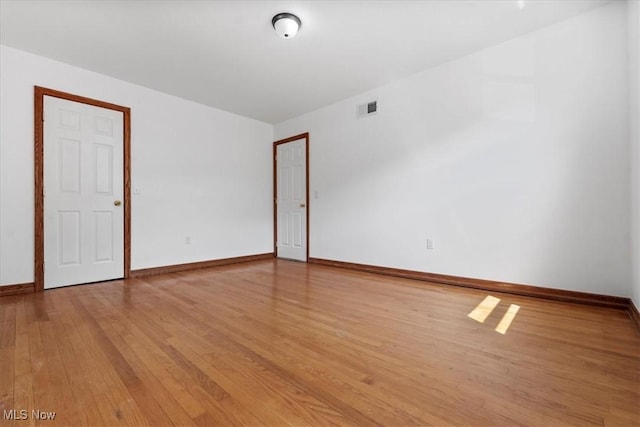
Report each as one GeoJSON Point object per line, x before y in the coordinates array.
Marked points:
{"type": "Point", "coordinates": [117, 203]}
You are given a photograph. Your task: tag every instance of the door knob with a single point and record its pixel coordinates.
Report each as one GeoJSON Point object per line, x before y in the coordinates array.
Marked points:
{"type": "Point", "coordinates": [117, 203]}
{"type": "Point", "coordinates": [302, 205]}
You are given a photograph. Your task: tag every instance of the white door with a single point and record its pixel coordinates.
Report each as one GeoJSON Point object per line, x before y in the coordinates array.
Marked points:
{"type": "Point", "coordinates": [291, 200]}
{"type": "Point", "coordinates": [83, 193]}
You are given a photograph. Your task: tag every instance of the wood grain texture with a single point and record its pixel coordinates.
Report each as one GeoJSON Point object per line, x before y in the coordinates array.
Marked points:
{"type": "Point", "coordinates": [38, 135]}
{"type": "Point", "coordinates": [276, 342]}
{"type": "Point", "coordinates": [634, 314]}
{"type": "Point", "coordinates": [127, 189]}
{"type": "Point", "coordinates": [487, 285]}
{"type": "Point", "coordinates": [175, 268]}
{"type": "Point", "coordinates": [275, 200]}
{"type": "Point", "coordinates": [22, 288]}
{"type": "Point", "coordinates": [38, 189]}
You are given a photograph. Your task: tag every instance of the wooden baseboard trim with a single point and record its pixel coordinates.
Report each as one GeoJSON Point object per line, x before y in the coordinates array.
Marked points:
{"type": "Point", "coordinates": [196, 265]}
{"type": "Point", "coordinates": [487, 285]}
{"type": "Point", "coordinates": [634, 314]}
{"type": "Point", "coordinates": [23, 288]}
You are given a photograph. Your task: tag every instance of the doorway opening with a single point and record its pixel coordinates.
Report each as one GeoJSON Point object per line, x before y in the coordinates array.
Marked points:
{"type": "Point", "coordinates": [108, 163]}
{"type": "Point", "coordinates": [291, 197]}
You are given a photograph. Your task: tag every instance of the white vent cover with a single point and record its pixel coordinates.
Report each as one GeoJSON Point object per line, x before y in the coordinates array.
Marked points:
{"type": "Point", "coordinates": [367, 109]}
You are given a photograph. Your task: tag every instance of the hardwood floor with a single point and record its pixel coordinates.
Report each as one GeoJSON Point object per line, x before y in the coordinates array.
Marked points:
{"type": "Point", "coordinates": [284, 343]}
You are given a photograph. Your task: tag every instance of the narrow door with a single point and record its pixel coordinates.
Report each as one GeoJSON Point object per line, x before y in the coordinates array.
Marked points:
{"type": "Point", "coordinates": [291, 199]}
{"type": "Point", "coordinates": [83, 193]}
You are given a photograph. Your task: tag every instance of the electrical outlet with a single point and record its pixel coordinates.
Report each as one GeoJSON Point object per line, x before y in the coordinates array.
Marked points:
{"type": "Point", "coordinates": [431, 244]}
{"type": "Point", "coordinates": [187, 240]}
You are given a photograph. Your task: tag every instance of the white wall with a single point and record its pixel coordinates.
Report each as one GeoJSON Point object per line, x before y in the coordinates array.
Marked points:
{"type": "Point", "coordinates": [201, 172]}
{"type": "Point", "coordinates": [514, 159]}
{"type": "Point", "coordinates": [634, 115]}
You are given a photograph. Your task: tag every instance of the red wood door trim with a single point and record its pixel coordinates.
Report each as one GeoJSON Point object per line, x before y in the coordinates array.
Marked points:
{"type": "Point", "coordinates": [304, 136]}
{"type": "Point", "coordinates": [39, 94]}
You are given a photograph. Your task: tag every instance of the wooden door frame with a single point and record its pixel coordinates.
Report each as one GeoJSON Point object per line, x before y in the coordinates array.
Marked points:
{"type": "Point", "coordinates": [38, 120]}
{"type": "Point", "coordinates": [304, 136]}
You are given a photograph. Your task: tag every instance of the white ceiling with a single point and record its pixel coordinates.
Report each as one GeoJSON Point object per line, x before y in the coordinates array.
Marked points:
{"type": "Point", "coordinates": [225, 53]}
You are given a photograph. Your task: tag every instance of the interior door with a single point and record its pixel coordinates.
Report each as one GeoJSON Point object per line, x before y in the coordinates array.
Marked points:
{"type": "Point", "coordinates": [291, 200]}
{"type": "Point", "coordinates": [83, 193]}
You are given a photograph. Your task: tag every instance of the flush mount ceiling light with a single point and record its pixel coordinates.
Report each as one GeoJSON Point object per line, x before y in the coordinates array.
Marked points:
{"type": "Point", "coordinates": [286, 25]}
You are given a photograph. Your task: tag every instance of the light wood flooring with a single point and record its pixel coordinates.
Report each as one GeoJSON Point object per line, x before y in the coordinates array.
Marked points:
{"type": "Point", "coordinates": [281, 343]}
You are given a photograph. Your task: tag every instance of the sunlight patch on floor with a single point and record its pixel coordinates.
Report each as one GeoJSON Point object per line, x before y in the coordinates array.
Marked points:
{"type": "Point", "coordinates": [486, 307]}
{"type": "Point", "coordinates": [506, 320]}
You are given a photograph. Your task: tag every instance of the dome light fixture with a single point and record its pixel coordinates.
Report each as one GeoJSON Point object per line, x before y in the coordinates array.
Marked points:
{"type": "Point", "coordinates": [286, 25]}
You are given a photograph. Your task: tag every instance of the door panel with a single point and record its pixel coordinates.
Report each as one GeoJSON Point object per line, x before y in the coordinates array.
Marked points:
{"type": "Point", "coordinates": [297, 229]}
{"type": "Point", "coordinates": [83, 178]}
{"type": "Point", "coordinates": [103, 168]}
{"type": "Point", "coordinates": [69, 251]}
{"type": "Point", "coordinates": [291, 195]}
{"type": "Point", "coordinates": [69, 165]}
{"type": "Point", "coordinates": [103, 237]}
{"type": "Point", "coordinates": [283, 229]}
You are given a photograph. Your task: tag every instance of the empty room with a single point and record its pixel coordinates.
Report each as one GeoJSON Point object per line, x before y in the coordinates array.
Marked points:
{"type": "Point", "coordinates": [289, 213]}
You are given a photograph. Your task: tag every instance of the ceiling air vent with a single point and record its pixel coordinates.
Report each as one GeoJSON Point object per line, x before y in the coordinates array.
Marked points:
{"type": "Point", "coordinates": [367, 109]}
